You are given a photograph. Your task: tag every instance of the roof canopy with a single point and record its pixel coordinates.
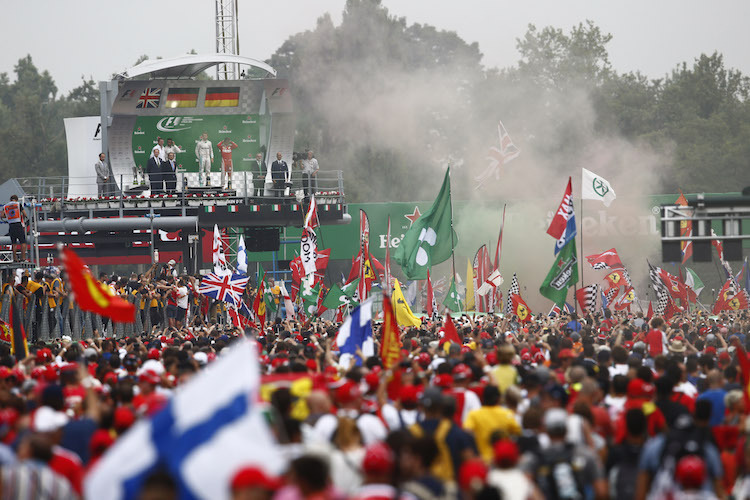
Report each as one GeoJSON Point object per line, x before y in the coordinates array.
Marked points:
{"type": "Point", "coordinates": [190, 65]}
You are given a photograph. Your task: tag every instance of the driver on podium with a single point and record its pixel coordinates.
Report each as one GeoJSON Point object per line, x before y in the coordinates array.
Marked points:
{"type": "Point", "coordinates": [204, 151]}
{"type": "Point", "coordinates": [225, 148]}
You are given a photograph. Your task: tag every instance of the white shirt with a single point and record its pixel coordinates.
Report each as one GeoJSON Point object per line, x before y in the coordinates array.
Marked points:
{"type": "Point", "coordinates": [391, 416]}
{"type": "Point", "coordinates": [162, 153]}
{"type": "Point", "coordinates": [182, 297]}
{"type": "Point", "coordinates": [621, 369]}
{"type": "Point", "coordinates": [310, 166]}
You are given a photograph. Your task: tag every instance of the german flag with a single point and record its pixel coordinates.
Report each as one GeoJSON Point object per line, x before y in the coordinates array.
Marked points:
{"type": "Point", "coordinates": [182, 98]}
{"type": "Point", "coordinates": [222, 97]}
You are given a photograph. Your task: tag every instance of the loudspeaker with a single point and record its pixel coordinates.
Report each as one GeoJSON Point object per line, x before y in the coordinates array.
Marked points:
{"type": "Point", "coordinates": [262, 239]}
{"type": "Point", "coordinates": [732, 250]}
{"type": "Point", "coordinates": [702, 251]}
{"type": "Point", "coordinates": [670, 251]}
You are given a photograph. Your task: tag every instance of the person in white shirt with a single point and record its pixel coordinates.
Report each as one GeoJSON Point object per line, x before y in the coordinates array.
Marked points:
{"type": "Point", "coordinates": [160, 147]}
{"type": "Point", "coordinates": [310, 169]}
{"type": "Point", "coordinates": [181, 296]}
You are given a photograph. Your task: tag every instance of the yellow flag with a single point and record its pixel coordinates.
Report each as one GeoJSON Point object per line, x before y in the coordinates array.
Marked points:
{"type": "Point", "coordinates": [404, 316]}
{"type": "Point", "coordinates": [470, 287]}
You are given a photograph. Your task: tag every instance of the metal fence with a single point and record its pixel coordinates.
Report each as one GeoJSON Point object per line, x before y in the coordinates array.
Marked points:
{"type": "Point", "coordinates": [329, 183]}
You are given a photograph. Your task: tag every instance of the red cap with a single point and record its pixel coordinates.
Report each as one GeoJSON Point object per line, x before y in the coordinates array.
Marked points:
{"type": "Point", "coordinates": [408, 394]}
{"type": "Point", "coordinates": [526, 357]}
{"type": "Point", "coordinates": [38, 372]}
{"type": "Point", "coordinates": [123, 418]}
{"type": "Point", "coordinates": [50, 374]}
{"type": "Point", "coordinates": [154, 353]}
{"type": "Point", "coordinates": [378, 459]}
{"type": "Point", "coordinates": [472, 475]}
{"type": "Point", "coordinates": [566, 354]}
{"type": "Point", "coordinates": [710, 350]}
{"type": "Point", "coordinates": [5, 372]}
{"type": "Point", "coordinates": [44, 356]}
{"type": "Point", "coordinates": [628, 345]}
{"type": "Point", "coordinates": [311, 365]}
{"type": "Point", "coordinates": [150, 377]}
{"type": "Point", "coordinates": [100, 441]}
{"type": "Point", "coordinates": [690, 472]}
{"type": "Point", "coordinates": [461, 372]}
{"type": "Point", "coordinates": [506, 453]}
{"type": "Point", "coordinates": [443, 380]}
{"type": "Point", "coordinates": [637, 388]}
{"type": "Point", "coordinates": [331, 370]}
{"type": "Point", "coordinates": [725, 357]}
{"type": "Point", "coordinates": [348, 392]}
{"type": "Point", "coordinates": [253, 477]}
{"type": "Point", "coordinates": [539, 357]}
{"type": "Point", "coordinates": [491, 358]}
{"type": "Point", "coordinates": [424, 360]}
{"type": "Point", "coordinates": [372, 379]}
{"type": "Point", "coordinates": [110, 378]}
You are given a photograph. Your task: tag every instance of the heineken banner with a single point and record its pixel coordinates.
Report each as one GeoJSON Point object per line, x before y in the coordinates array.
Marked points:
{"type": "Point", "coordinates": [247, 131]}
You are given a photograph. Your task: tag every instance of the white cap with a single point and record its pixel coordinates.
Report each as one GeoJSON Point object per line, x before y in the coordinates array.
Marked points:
{"type": "Point", "coordinates": [201, 358]}
{"type": "Point", "coordinates": [48, 420]}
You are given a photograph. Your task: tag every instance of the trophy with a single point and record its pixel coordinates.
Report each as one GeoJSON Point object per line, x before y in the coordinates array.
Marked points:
{"type": "Point", "coordinates": [138, 174]}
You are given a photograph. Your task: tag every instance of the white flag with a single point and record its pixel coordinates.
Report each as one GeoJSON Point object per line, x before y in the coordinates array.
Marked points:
{"type": "Point", "coordinates": [594, 187]}
{"type": "Point", "coordinates": [493, 281]}
{"type": "Point", "coordinates": [219, 257]}
{"type": "Point", "coordinates": [309, 240]}
{"type": "Point", "coordinates": [242, 255]}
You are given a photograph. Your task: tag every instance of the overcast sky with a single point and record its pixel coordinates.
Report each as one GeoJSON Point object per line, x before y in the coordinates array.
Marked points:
{"type": "Point", "coordinates": [95, 38]}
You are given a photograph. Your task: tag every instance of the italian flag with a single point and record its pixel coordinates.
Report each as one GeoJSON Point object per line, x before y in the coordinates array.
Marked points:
{"type": "Point", "coordinates": [276, 208]}
{"type": "Point", "coordinates": [254, 208]}
{"type": "Point", "coordinates": [233, 208]}
{"type": "Point", "coordinates": [295, 208]}
{"type": "Point", "coordinates": [212, 208]}
{"type": "Point", "coordinates": [694, 283]}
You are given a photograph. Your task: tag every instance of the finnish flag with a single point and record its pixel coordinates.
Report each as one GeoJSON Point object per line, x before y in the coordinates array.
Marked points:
{"type": "Point", "coordinates": [356, 332]}
{"type": "Point", "coordinates": [211, 428]}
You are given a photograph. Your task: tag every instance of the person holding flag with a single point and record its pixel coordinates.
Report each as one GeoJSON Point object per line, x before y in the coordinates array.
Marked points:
{"type": "Point", "coordinates": [564, 272]}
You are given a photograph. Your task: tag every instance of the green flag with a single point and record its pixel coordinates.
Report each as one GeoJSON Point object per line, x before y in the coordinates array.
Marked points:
{"type": "Point", "coordinates": [430, 239]}
{"type": "Point", "coordinates": [564, 273]}
{"type": "Point", "coordinates": [268, 295]}
{"type": "Point", "coordinates": [336, 298]}
{"type": "Point", "coordinates": [309, 295]}
{"type": "Point", "coordinates": [350, 289]}
{"type": "Point", "coordinates": [452, 301]}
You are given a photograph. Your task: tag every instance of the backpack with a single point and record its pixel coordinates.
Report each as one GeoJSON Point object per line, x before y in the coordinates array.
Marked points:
{"type": "Point", "coordinates": [677, 444]}
{"type": "Point", "coordinates": [558, 475]}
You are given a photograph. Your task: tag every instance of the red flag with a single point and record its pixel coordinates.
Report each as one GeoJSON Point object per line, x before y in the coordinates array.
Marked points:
{"type": "Point", "coordinates": [481, 272]}
{"type": "Point", "coordinates": [520, 309]}
{"type": "Point", "coordinates": [390, 345]}
{"type": "Point", "coordinates": [450, 334]}
{"type": "Point", "coordinates": [718, 245]}
{"type": "Point", "coordinates": [686, 229]}
{"type": "Point", "coordinates": [675, 286]}
{"type": "Point", "coordinates": [431, 306]}
{"type": "Point", "coordinates": [605, 260]}
{"type": "Point", "coordinates": [624, 301]}
{"type": "Point", "coordinates": [559, 222]}
{"type": "Point", "coordinates": [19, 346]}
{"type": "Point", "coordinates": [92, 295]}
{"type": "Point", "coordinates": [497, 299]}
{"type": "Point", "coordinates": [730, 299]}
{"type": "Point", "coordinates": [650, 312]}
{"type": "Point", "coordinates": [616, 278]}
{"type": "Point", "coordinates": [340, 314]}
{"type": "Point", "coordinates": [259, 304]}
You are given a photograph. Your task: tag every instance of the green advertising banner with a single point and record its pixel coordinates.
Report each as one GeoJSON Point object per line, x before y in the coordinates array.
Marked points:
{"type": "Point", "coordinates": [243, 130]}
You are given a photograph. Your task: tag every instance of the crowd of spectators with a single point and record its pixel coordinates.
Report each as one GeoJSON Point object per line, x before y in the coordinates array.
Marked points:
{"type": "Point", "coordinates": [602, 406]}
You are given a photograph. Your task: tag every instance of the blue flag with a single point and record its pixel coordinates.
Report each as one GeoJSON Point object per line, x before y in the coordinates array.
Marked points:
{"type": "Point", "coordinates": [356, 333]}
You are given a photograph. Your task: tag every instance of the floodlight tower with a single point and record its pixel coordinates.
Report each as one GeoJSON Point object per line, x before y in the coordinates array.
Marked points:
{"type": "Point", "coordinates": [227, 37]}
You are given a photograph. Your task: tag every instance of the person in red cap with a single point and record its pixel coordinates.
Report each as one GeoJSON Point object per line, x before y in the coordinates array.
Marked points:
{"type": "Point", "coordinates": [472, 478]}
{"type": "Point", "coordinates": [252, 483]}
{"type": "Point", "coordinates": [509, 480]}
{"type": "Point", "coordinates": [403, 413]}
{"type": "Point", "coordinates": [377, 470]}
{"type": "Point", "coordinates": [466, 400]}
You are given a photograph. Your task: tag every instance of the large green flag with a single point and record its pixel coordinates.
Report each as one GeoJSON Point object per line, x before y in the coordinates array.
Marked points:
{"type": "Point", "coordinates": [429, 240]}
{"type": "Point", "coordinates": [452, 301]}
{"type": "Point", "coordinates": [350, 289]}
{"type": "Point", "coordinates": [336, 297]}
{"type": "Point", "coordinates": [309, 295]}
{"type": "Point", "coordinates": [564, 273]}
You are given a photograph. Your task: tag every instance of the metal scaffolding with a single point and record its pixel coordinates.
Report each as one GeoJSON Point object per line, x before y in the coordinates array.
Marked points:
{"type": "Point", "coordinates": [227, 38]}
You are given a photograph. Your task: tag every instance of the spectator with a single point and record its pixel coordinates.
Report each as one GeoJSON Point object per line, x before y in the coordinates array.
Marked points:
{"type": "Point", "coordinates": [279, 173]}
{"type": "Point", "coordinates": [169, 173]}
{"type": "Point", "coordinates": [155, 172]}
{"type": "Point", "coordinates": [309, 174]}
{"type": "Point", "coordinates": [259, 176]}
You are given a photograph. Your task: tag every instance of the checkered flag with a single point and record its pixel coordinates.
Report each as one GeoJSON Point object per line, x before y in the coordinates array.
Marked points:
{"type": "Point", "coordinates": [611, 293]}
{"type": "Point", "coordinates": [513, 290]}
{"type": "Point", "coordinates": [662, 293]}
{"type": "Point", "coordinates": [588, 298]}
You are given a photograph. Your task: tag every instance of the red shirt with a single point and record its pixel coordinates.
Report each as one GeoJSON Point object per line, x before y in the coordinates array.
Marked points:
{"type": "Point", "coordinates": [655, 342]}
{"type": "Point", "coordinates": [68, 465]}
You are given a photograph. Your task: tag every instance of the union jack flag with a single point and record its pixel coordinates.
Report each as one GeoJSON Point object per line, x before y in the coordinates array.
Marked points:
{"type": "Point", "coordinates": [149, 99]}
{"type": "Point", "coordinates": [499, 157]}
{"type": "Point", "coordinates": [228, 288]}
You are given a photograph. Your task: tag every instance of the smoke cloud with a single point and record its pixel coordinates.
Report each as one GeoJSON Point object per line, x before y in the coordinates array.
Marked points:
{"type": "Point", "coordinates": [378, 100]}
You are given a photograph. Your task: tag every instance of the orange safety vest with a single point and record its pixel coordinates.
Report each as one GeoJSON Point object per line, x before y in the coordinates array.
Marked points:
{"type": "Point", "coordinates": [12, 212]}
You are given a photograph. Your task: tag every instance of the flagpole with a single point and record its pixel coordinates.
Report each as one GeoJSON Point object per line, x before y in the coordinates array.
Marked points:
{"type": "Point", "coordinates": [453, 241]}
